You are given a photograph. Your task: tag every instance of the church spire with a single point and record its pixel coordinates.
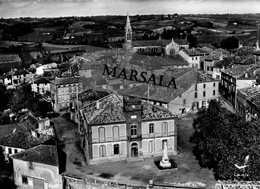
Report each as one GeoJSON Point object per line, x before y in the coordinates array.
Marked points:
{"type": "Point", "coordinates": [128, 30]}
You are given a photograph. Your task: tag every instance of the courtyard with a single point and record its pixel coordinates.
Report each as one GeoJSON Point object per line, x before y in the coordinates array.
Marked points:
{"type": "Point", "coordinates": [188, 172]}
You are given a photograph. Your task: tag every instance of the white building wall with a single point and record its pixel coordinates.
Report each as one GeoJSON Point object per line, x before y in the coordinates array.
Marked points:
{"type": "Point", "coordinates": [48, 173]}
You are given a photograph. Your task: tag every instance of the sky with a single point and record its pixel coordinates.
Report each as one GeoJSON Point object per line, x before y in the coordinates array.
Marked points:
{"type": "Point", "coordinates": [57, 8]}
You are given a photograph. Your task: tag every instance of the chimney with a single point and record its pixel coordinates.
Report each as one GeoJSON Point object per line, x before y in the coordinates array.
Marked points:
{"type": "Point", "coordinates": [97, 104]}
{"type": "Point", "coordinates": [246, 75]}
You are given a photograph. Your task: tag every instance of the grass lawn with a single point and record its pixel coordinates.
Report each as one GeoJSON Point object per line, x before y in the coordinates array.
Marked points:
{"type": "Point", "coordinates": [138, 173]}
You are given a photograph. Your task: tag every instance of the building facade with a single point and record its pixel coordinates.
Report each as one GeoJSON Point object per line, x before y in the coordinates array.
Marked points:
{"type": "Point", "coordinates": [37, 168]}
{"type": "Point", "coordinates": [125, 129]}
{"type": "Point", "coordinates": [64, 91]}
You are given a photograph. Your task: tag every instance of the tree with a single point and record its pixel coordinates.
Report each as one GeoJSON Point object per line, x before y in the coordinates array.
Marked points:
{"type": "Point", "coordinates": [192, 41]}
{"type": "Point", "coordinates": [229, 43]}
{"type": "Point", "coordinates": [223, 139]}
{"type": "Point", "coordinates": [43, 108]}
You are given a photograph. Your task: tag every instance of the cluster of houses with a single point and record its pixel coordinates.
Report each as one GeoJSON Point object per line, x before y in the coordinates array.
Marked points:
{"type": "Point", "coordinates": [127, 120]}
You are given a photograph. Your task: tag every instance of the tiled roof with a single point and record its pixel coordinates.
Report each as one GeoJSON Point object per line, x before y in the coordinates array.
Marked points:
{"type": "Point", "coordinates": [184, 79]}
{"type": "Point", "coordinates": [9, 58]}
{"type": "Point", "coordinates": [150, 43]}
{"type": "Point", "coordinates": [92, 95]}
{"type": "Point", "coordinates": [111, 110]}
{"type": "Point", "coordinates": [236, 70]}
{"type": "Point", "coordinates": [251, 73]}
{"type": "Point", "coordinates": [22, 139]}
{"type": "Point", "coordinates": [250, 91]}
{"type": "Point", "coordinates": [45, 154]}
{"type": "Point", "coordinates": [181, 41]}
{"type": "Point", "coordinates": [195, 52]}
{"type": "Point", "coordinates": [156, 62]}
{"type": "Point", "coordinates": [202, 78]}
{"type": "Point", "coordinates": [256, 100]}
{"type": "Point", "coordinates": [65, 80]}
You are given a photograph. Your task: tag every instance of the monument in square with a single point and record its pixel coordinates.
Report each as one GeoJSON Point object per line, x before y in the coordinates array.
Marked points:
{"type": "Point", "coordinates": [165, 163]}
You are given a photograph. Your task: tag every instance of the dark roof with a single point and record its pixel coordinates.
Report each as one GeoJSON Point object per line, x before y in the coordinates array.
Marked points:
{"type": "Point", "coordinates": [181, 41]}
{"type": "Point", "coordinates": [22, 139]}
{"type": "Point", "coordinates": [236, 70]}
{"type": "Point", "coordinates": [65, 80]}
{"type": "Point", "coordinates": [41, 80]}
{"type": "Point", "coordinates": [150, 43]}
{"type": "Point", "coordinates": [202, 78]}
{"type": "Point", "coordinates": [27, 122]}
{"type": "Point", "coordinates": [249, 91]}
{"type": "Point", "coordinates": [45, 154]}
{"type": "Point", "coordinates": [92, 95]}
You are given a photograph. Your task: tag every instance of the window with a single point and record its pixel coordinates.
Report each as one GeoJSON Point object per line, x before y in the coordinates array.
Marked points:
{"type": "Point", "coordinates": [134, 130]}
{"type": "Point", "coordinates": [102, 151]}
{"type": "Point", "coordinates": [203, 103]}
{"type": "Point", "coordinates": [116, 132]}
{"type": "Point", "coordinates": [30, 165]}
{"type": "Point", "coordinates": [9, 150]}
{"type": "Point", "coordinates": [101, 133]}
{"type": "Point", "coordinates": [24, 179]}
{"type": "Point", "coordinates": [184, 102]}
{"type": "Point", "coordinates": [196, 87]}
{"type": "Point", "coordinates": [151, 146]}
{"type": "Point", "coordinates": [204, 93]}
{"type": "Point", "coordinates": [164, 127]}
{"type": "Point", "coordinates": [116, 149]}
{"type": "Point", "coordinates": [151, 128]}
{"type": "Point", "coordinates": [214, 84]}
{"type": "Point", "coordinates": [204, 86]}
{"type": "Point", "coordinates": [196, 95]}
{"type": "Point", "coordinates": [163, 143]}
{"type": "Point", "coordinates": [15, 151]}
{"type": "Point", "coordinates": [214, 92]}
{"type": "Point", "coordinates": [133, 116]}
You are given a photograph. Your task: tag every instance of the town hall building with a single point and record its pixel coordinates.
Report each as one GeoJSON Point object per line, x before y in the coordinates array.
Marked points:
{"type": "Point", "coordinates": [117, 128]}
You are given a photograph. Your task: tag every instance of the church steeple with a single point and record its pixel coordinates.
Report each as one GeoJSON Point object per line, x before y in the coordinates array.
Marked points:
{"type": "Point", "coordinates": [128, 30]}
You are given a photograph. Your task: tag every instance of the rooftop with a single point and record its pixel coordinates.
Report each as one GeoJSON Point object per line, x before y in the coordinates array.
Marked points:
{"type": "Point", "coordinates": [237, 70]}
{"type": "Point", "coordinates": [65, 80]}
{"type": "Point", "coordinates": [150, 43]}
{"type": "Point", "coordinates": [250, 91]}
{"type": "Point", "coordinates": [41, 80]}
{"type": "Point", "coordinates": [9, 58]}
{"type": "Point", "coordinates": [202, 78]}
{"type": "Point", "coordinates": [111, 110]}
{"type": "Point", "coordinates": [45, 154]}
{"type": "Point", "coordinates": [23, 140]}
{"type": "Point", "coordinates": [195, 52]}
{"type": "Point", "coordinates": [184, 79]}
{"type": "Point", "coordinates": [92, 95]}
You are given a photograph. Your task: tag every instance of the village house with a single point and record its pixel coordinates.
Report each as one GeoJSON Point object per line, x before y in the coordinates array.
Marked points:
{"type": "Point", "coordinates": [40, 69]}
{"type": "Point", "coordinates": [21, 140]}
{"type": "Point", "coordinates": [41, 86]}
{"type": "Point", "coordinates": [193, 56]}
{"type": "Point", "coordinates": [63, 91]}
{"type": "Point", "coordinates": [37, 167]}
{"type": "Point", "coordinates": [118, 128]}
{"type": "Point", "coordinates": [237, 77]}
{"type": "Point", "coordinates": [16, 77]}
{"type": "Point", "coordinates": [9, 61]}
{"type": "Point", "coordinates": [248, 104]}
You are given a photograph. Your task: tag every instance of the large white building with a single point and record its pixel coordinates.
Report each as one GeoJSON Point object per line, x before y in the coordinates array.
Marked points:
{"type": "Point", "coordinates": [125, 128]}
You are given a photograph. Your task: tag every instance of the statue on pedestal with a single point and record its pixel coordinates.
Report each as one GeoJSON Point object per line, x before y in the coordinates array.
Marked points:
{"type": "Point", "coordinates": [165, 160]}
